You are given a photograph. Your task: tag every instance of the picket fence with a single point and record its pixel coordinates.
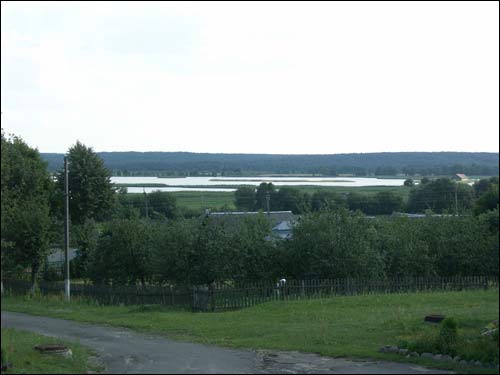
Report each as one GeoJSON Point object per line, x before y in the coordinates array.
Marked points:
{"type": "Point", "coordinates": [234, 295]}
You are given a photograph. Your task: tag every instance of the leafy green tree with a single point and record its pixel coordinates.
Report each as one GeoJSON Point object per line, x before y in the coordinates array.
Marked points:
{"type": "Point", "coordinates": [254, 260]}
{"type": "Point", "coordinates": [334, 245]}
{"type": "Point", "coordinates": [245, 198]}
{"type": "Point", "coordinates": [90, 189]}
{"type": "Point", "coordinates": [483, 185]}
{"type": "Point", "coordinates": [85, 236]}
{"type": "Point", "coordinates": [26, 227]}
{"type": "Point", "coordinates": [264, 190]}
{"type": "Point", "coordinates": [440, 195]}
{"type": "Point", "coordinates": [424, 180]}
{"type": "Point", "coordinates": [362, 202]}
{"type": "Point", "coordinates": [388, 202]}
{"type": "Point", "coordinates": [324, 200]}
{"type": "Point", "coordinates": [171, 246]}
{"type": "Point", "coordinates": [162, 204]}
{"type": "Point", "coordinates": [123, 254]}
{"type": "Point", "coordinates": [409, 182]}
{"type": "Point", "coordinates": [291, 199]}
{"type": "Point", "coordinates": [487, 201]}
{"type": "Point", "coordinates": [405, 252]}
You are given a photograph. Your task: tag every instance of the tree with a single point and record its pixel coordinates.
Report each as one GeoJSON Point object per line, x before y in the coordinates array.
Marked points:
{"type": "Point", "coordinates": [291, 199]}
{"type": "Point", "coordinates": [123, 253]}
{"type": "Point", "coordinates": [324, 200]}
{"type": "Point", "coordinates": [162, 204]}
{"type": "Point", "coordinates": [440, 195]}
{"type": "Point", "coordinates": [245, 198]}
{"type": "Point", "coordinates": [90, 189]}
{"type": "Point", "coordinates": [388, 202]}
{"type": "Point", "coordinates": [333, 245]}
{"type": "Point", "coordinates": [482, 186]}
{"type": "Point", "coordinates": [362, 202]}
{"type": "Point", "coordinates": [26, 227]}
{"type": "Point", "coordinates": [409, 182]}
{"type": "Point", "coordinates": [265, 191]}
{"type": "Point", "coordinates": [487, 201]}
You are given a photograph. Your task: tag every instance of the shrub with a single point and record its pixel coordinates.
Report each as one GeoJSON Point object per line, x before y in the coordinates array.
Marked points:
{"type": "Point", "coordinates": [448, 337]}
{"type": "Point", "coordinates": [482, 349]}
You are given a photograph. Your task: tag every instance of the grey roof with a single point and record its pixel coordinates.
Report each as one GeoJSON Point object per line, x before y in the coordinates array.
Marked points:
{"type": "Point", "coordinates": [275, 217]}
{"type": "Point", "coordinates": [284, 226]}
{"type": "Point", "coordinates": [57, 255]}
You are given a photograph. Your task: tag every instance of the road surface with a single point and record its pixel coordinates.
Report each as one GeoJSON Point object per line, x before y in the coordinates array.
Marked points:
{"type": "Point", "coordinates": [123, 351]}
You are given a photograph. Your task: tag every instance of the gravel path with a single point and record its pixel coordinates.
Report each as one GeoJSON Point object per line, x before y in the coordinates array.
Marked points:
{"type": "Point", "coordinates": [123, 351]}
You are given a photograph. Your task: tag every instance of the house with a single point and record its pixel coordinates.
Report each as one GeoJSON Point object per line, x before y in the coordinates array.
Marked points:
{"type": "Point", "coordinates": [284, 229]}
{"type": "Point", "coordinates": [55, 259]}
{"type": "Point", "coordinates": [282, 222]}
{"type": "Point", "coordinates": [418, 216]}
{"type": "Point", "coordinates": [460, 177]}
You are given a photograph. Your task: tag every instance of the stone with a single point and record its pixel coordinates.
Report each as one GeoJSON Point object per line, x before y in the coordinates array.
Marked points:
{"type": "Point", "coordinates": [463, 362]}
{"type": "Point", "coordinates": [456, 358]}
{"type": "Point", "coordinates": [389, 349]}
{"type": "Point", "coordinates": [490, 332]}
{"type": "Point", "coordinates": [427, 355]}
{"type": "Point", "coordinates": [478, 363]}
{"type": "Point", "coordinates": [414, 354]}
{"type": "Point", "coordinates": [447, 358]}
{"type": "Point", "coordinates": [438, 357]}
{"type": "Point", "coordinates": [403, 351]}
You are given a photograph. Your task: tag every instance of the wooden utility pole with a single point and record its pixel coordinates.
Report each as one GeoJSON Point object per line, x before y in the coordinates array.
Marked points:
{"type": "Point", "coordinates": [146, 203]}
{"type": "Point", "coordinates": [66, 231]}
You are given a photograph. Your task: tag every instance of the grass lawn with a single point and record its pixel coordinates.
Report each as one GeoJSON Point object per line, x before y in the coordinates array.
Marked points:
{"type": "Point", "coordinates": [198, 200]}
{"type": "Point", "coordinates": [18, 347]}
{"type": "Point", "coordinates": [354, 326]}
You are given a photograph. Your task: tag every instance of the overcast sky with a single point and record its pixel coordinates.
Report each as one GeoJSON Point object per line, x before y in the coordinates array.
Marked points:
{"type": "Point", "coordinates": [252, 77]}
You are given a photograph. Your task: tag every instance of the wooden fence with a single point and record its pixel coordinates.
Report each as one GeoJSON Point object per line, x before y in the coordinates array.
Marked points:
{"type": "Point", "coordinates": [236, 295]}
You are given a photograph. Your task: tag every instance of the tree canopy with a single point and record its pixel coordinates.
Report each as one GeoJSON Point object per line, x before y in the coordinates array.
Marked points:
{"type": "Point", "coordinates": [90, 189]}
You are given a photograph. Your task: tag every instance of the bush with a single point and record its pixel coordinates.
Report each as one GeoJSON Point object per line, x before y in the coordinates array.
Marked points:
{"type": "Point", "coordinates": [4, 357]}
{"type": "Point", "coordinates": [482, 349]}
{"type": "Point", "coordinates": [448, 337]}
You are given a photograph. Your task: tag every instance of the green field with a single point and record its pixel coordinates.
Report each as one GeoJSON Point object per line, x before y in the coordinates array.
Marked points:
{"type": "Point", "coordinates": [18, 347]}
{"type": "Point", "coordinates": [198, 200]}
{"type": "Point", "coordinates": [354, 326]}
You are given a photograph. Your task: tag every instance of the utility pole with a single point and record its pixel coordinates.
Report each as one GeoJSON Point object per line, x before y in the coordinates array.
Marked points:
{"type": "Point", "coordinates": [146, 200]}
{"type": "Point", "coordinates": [456, 198]}
{"type": "Point", "coordinates": [66, 230]}
{"type": "Point", "coordinates": [268, 197]}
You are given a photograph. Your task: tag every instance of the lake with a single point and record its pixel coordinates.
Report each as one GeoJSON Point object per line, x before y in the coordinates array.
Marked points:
{"type": "Point", "coordinates": [205, 183]}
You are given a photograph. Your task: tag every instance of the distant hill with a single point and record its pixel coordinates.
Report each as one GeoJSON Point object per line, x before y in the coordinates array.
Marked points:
{"type": "Point", "coordinates": [384, 163]}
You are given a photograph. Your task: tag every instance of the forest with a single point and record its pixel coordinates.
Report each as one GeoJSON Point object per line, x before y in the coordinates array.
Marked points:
{"type": "Point", "coordinates": [361, 164]}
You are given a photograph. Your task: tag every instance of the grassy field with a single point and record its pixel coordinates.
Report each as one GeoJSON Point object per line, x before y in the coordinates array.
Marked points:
{"type": "Point", "coordinates": [18, 346]}
{"type": "Point", "coordinates": [343, 326]}
{"type": "Point", "coordinates": [198, 200]}
{"type": "Point", "coordinates": [401, 190]}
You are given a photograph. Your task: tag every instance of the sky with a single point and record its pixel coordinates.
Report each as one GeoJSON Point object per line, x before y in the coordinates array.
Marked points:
{"type": "Point", "coordinates": [263, 77]}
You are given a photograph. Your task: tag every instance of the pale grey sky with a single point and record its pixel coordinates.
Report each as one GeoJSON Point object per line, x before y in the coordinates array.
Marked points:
{"type": "Point", "coordinates": [298, 77]}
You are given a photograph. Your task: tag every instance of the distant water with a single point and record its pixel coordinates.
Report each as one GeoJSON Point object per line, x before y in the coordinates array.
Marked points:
{"type": "Point", "coordinates": [189, 183]}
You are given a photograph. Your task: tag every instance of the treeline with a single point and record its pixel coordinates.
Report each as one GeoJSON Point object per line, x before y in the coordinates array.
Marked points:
{"type": "Point", "coordinates": [378, 164]}
{"type": "Point", "coordinates": [331, 244]}
{"type": "Point", "coordinates": [441, 196]}
{"type": "Point", "coordinates": [124, 240]}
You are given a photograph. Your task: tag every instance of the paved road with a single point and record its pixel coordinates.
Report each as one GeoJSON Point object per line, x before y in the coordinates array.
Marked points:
{"type": "Point", "coordinates": [126, 352]}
